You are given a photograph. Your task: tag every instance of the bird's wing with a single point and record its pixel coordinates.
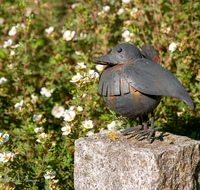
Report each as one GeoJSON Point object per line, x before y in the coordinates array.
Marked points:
{"type": "Point", "coordinates": [151, 54]}
{"type": "Point", "coordinates": [150, 78]}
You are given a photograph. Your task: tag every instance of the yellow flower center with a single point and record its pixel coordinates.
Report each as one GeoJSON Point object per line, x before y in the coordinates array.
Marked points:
{"type": "Point", "coordinates": [1, 139]}
{"type": "Point", "coordinates": [70, 117]}
{"type": "Point", "coordinates": [49, 175]}
{"type": "Point", "coordinates": [48, 90]}
{"type": "Point", "coordinates": [67, 130]}
{"type": "Point", "coordinates": [58, 111]}
{"type": "Point", "coordinates": [6, 157]}
{"type": "Point", "coordinates": [70, 35]}
{"type": "Point", "coordinates": [76, 79]}
{"type": "Point", "coordinates": [88, 125]}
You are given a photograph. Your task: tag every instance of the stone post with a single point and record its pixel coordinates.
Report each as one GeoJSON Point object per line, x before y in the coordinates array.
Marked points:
{"type": "Point", "coordinates": [109, 161]}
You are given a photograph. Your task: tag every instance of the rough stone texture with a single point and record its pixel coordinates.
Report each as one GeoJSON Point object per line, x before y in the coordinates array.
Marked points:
{"type": "Point", "coordinates": [171, 162]}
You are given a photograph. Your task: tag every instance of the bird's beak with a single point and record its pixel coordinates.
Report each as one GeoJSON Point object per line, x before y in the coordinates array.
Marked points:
{"type": "Point", "coordinates": [105, 60]}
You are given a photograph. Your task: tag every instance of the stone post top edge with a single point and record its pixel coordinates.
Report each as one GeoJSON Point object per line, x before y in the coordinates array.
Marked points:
{"type": "Point", "coordinates": [114, 137]}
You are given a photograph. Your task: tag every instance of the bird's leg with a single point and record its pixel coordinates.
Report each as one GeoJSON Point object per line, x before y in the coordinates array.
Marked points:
{"type": "Point", "coordinates": [151, 130]}
{"type": "Point", "coordinates": [136, 129]}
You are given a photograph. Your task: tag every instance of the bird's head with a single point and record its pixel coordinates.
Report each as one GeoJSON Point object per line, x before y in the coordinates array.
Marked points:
{"type": "Point", "coordinates": [120, 54]}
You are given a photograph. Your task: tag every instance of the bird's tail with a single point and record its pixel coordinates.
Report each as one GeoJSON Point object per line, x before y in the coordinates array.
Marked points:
{"type": "Point", "coordinates": [151, 54]}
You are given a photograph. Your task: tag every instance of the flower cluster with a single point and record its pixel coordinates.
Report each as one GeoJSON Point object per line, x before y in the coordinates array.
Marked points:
{"type": "Point", "coordinates": [127, 35]}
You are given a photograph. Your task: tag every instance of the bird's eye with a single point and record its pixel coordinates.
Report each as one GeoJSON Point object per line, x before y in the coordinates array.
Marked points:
{"type": "Point", "coordinates": [109, 50]}
{"type": "Point", "coordinates": [119, 49]}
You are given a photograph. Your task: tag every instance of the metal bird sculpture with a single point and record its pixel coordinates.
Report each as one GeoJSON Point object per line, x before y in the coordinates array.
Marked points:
{"type": "Point", "coordinates": [133, 83]}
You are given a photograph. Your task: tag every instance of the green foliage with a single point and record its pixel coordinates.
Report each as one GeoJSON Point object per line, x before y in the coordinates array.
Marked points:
{"type": "Point", "coordinates": [47, 59]}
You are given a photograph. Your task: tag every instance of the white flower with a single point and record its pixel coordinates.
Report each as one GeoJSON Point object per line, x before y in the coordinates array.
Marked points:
{"type": "Point", "coordinates": [179, 113]}
{"type": "Point", "coordinates": [66, 130]}
{"type": "Point", "coordinates": [86, 80]}
{"type": "Point", "coordinates": [106, 8]}
{"type": "Point", "coordinates": [17, 105]}
{"type": "Point", "coordinates": [134, 11]}
{"type": "Point", "coordinates": [172, 47]}
{"type": "Point", "coordinates": [102, 13]}
{"type": "Point", "coordinates": [124, 29]}
{"type": "Point", "coordinates": [15, 46]}
{"type": "Point", "coordinates": [3, 80]}
{"type": "Point", "coordinates": [68, 35]}
{"type": "Point", "coordinates": [71, 108]}
{"type": "Point", "coordinates": [37, 117]}
{"type": "Point", "coordinates": [120, 11]}
{"type": "Point", "coordinates": [76, 77]}
{"type": "Point", "coordinates": [4, 157]}
{"type": "Point", "coordinates": [84, 95]}
{"type": "Point", "coordinates": [79, 108]}
{"type": "Point", "coordinates": [111, 125]}
{"type": "Point", "coordinates": [42, 137]}
{"type": "Point", "coordinates": [69, 115]}
{"type": "Point", "coordinates": [83, 35]}
{"type": "Point", "coordinates": [12, 53]}
{"type": "Point", "coordinates": [125, 1]}
{"type": "Point", "coordinates": [1, 20]}
{"type": "Point", "coordinates": [13, 31]}
{"type": "Point", "coordinates": [7, 43]}
{"type": "Point", "coordinates": [57, 111]}
{"type": "Point", "coordinates": [22, 25]}
{"type": "Point", "coordinates": [4, 139]}
{"type": "Point", "coordinates": [46, 92]}
{"type": "Point", "coordinates": [38, 129]}
{"type": "Point", "coordinates": [28, 11]}
{"type": "Point", "coordinates": [11, 66]}
{"type": "Point", "coordinates": [77, 52]}
{"type": "Point", "coordinates": [93, 74]}
{"type": "Point", "coordinates": [75, 5]}
{"type": "Point", "coordinates": [34, 99]}
{"type": "Point", "coordinates": [90, 133]}
{"type": "Point", "coordinates": [88, 124]}
{"type": "Point", "coordinates": [118, 123]}
{"type": "Point", "coordinates": [128, 22]}
{"type": "Point", "coordinates": [49, 30]}
{"type": "Point", "coordinates": [168, 29]}
{"type": "Point", "coordinates": [50, 175]}
{"type": "Point", "coordinates": [99, 67]}
{"type": "Point", "coordinates": [80, 65]}
{"type": "Point", "coordinates": [127, 35]}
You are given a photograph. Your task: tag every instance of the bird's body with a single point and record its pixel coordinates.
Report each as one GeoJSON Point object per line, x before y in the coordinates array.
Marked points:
{"type": "Point", "coordinates": [121, 97]}
{"type": "Point", "coordinates": [133, 83]}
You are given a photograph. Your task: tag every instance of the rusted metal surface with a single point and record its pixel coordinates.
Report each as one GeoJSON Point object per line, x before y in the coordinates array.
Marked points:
{"type": "Point", "coordinates": [133, 82]}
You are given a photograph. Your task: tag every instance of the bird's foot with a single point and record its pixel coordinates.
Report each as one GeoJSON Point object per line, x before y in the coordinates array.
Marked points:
{"type": "Point", "coordinates": [150, 132]}
{"type": "Point", "coordinates": [127, 131]}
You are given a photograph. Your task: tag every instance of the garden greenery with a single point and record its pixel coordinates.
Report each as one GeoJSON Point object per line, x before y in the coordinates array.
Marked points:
{"type": "Point", "coordinates": [48, 81]}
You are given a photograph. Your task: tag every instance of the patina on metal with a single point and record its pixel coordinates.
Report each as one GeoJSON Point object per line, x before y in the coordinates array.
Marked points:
{"type": "Point", "coordinates": [133, 83]}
